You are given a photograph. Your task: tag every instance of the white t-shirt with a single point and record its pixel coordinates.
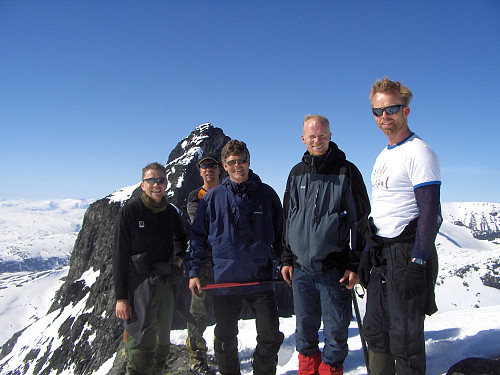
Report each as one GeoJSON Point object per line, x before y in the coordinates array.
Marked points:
{"type": "Point", "coordinates": [399, 170]}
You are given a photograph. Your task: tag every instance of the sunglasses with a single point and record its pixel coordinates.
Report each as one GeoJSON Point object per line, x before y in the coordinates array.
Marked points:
{"type": "Point", "coordinates": [392, 109]}
{"type": "Point", "coordinates": [152, 181]}
{"type": "Point", "coordinates": [233, 162]}
{"type": "Point", "coordinates": [209, 165]}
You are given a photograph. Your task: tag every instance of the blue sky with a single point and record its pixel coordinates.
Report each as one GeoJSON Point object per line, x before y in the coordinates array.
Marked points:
{"type": "Point", "coordinates": [91, 91]}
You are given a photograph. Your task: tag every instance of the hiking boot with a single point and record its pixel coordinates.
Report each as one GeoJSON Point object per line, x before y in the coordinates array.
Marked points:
{"type": "Point", "coordinates": [325, 369]}
{"type": "Point", "coordinates": [202, 368]}
{"type": "Point", "coordinates": [309, 364]}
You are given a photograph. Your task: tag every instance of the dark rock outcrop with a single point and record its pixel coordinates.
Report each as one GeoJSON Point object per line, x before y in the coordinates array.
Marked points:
{"type": "Point", "coordinates": [475, 366]}
{"type": "Point", "coordinates": [483, 221]}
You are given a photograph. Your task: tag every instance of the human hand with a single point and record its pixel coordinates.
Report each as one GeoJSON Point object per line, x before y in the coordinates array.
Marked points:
{"type": "Point", "coordinates": [415, 280]}
{"type": "Point", "coordinates": [123, 310]}
{"type": "Point", "coordinates": [349, 279]}
{"type": "Point", "coordinates": [195, 285]}
{"type": "Point", "coordinates": [287, 273]}
{"type": "Point", "coordinates": [364, 269]}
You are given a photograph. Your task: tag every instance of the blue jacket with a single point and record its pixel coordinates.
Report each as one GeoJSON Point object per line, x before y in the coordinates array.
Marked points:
{"type": "Point", "coordinates": [242, 224]}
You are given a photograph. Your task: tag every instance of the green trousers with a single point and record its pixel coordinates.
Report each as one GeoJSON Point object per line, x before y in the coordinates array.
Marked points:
{"type": "Point", "coordinates": [381, 363]}
{"type": "Point", "coordinates": [200, 309]}
{"type": "Point", "coordinates": [149, 356]}
{"type": "Point", "coordinates": [201, 304]}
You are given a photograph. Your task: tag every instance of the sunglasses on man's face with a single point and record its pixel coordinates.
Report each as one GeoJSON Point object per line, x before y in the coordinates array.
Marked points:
{"type": "Point", "coordinates": [233, 162]}
{"type": "Point", "coordinates": [152, 181]}
{"type": "Point", "coordinates": [391, 110]}
{"type": "Point", "coordinates": [209, 165]}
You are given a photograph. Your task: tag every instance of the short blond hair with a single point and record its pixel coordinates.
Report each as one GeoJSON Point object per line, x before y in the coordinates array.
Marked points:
{"type": "Point", "coordinates": [319, 118]}
{"type": "Point", "coordinates": [386, 85]}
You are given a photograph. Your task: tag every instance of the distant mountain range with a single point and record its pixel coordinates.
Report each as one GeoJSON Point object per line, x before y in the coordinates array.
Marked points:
{"type": "Point", "coordinates": [483, 219]}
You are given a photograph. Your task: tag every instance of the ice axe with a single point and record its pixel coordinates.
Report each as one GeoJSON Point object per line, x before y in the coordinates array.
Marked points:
{"type": "Point", "coordinates": [360, 326]}
{"type": "Point", "coordinates": [246, 283]}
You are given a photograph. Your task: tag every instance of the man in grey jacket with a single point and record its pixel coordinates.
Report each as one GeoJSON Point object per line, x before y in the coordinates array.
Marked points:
{"type": "Point", "coordinates": [325, 208]}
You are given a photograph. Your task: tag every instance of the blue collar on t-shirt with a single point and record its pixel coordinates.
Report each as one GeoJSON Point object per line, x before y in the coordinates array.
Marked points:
{"type": "Point", "coordinates": [400, 143]}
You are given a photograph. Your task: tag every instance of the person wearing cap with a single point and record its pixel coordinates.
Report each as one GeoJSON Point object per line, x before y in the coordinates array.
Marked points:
{"type": "Point", "coordinates": [210, 172]}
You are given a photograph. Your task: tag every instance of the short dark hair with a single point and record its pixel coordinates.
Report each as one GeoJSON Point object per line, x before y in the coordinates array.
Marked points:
{"type": "Point", "coordinates": [154, 165]}
{"type": "Point", "coordinates": [234, 147]}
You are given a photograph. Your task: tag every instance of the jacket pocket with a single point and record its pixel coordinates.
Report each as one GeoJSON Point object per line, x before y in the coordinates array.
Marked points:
{"type": "Point", "coordinates": [141, 263]}
{"type": "Point", "coordinates": [333, 232]}
{"type": "Point", "coordinates": [262, 227]}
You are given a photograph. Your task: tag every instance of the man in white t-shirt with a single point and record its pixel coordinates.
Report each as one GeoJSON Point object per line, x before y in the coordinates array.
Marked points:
{"type": "Point", "coordinates": [399, 264]}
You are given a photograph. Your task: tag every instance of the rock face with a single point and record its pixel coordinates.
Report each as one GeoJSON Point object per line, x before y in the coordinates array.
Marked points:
{"type": "Point", "coordinates": [82, 330]}
{"type": "Point", "coordinates": [476, 366]}
{"type": "Point", "coordinates": [483, 219]}
{"type": "Point", "coordinates": [182, 174]}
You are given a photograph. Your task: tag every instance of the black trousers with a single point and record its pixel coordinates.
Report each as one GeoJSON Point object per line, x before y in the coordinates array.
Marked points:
{"type": "Point", "coordinates": [227, 309]}
{"type": "Point", "coordinates": [393, 323]}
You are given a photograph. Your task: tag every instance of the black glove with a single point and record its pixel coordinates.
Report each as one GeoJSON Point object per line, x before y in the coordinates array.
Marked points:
{"type": "Point", "coordinates": [415, 280]}
{"type": "Point", "coordinates": [365, 266]}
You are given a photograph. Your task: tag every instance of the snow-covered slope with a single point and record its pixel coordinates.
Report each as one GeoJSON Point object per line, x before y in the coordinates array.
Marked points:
{"type": "Point", "coordinates": [38, 235]}
{"type": "Point", "coordinates": [467, 323]}
{"type": "Point", "coordinates": [463, 263]}
{"type": "Point", "coordinates": [482, 218]}
{"type": "Point", "coordinates": [26, 297]}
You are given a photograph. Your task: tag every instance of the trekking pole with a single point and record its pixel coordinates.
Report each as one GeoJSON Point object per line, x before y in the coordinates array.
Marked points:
{"type": "Point", "coordinates": [360, 328]}
{"type": "Point", "coordinates": [247, 283]}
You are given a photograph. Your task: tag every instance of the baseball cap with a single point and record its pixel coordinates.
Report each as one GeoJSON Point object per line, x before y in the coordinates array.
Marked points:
{"type": "Point", "coordinates": [208, 157]}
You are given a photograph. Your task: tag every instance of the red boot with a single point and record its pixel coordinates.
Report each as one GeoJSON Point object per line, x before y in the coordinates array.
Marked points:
{"type": "Point", "coordinates": [309, 364]}
{"type": "Point", "coordinates": [325, 369]}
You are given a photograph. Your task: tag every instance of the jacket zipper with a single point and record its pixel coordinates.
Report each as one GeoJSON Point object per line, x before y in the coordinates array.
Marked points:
{"type": "Point", "coordinates": [316, 206]}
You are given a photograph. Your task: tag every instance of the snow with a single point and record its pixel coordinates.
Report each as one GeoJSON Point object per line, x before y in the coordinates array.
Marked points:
{"type": "Point", "coordinates": [26, 297]}
{"type": "Point", "coordinates": [39, 229]}
{"type": "Point", "coordinates": [89, 277]}
{"type": "Point", "coordinates": [450, 337]}
{"type": "Point", "coordinates": [467, 323]}
{"type": "Point", "coordinates": [122, 194]}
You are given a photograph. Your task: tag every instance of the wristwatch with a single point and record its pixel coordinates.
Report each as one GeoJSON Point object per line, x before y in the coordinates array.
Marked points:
{"type": "Point", "coordinates": [419, 261]}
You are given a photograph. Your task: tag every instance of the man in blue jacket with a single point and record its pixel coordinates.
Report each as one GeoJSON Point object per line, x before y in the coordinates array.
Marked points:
{"type": "Point", "coordinates": [241, 221]}
{"type": "Point", "coordinates": [326, 208]}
